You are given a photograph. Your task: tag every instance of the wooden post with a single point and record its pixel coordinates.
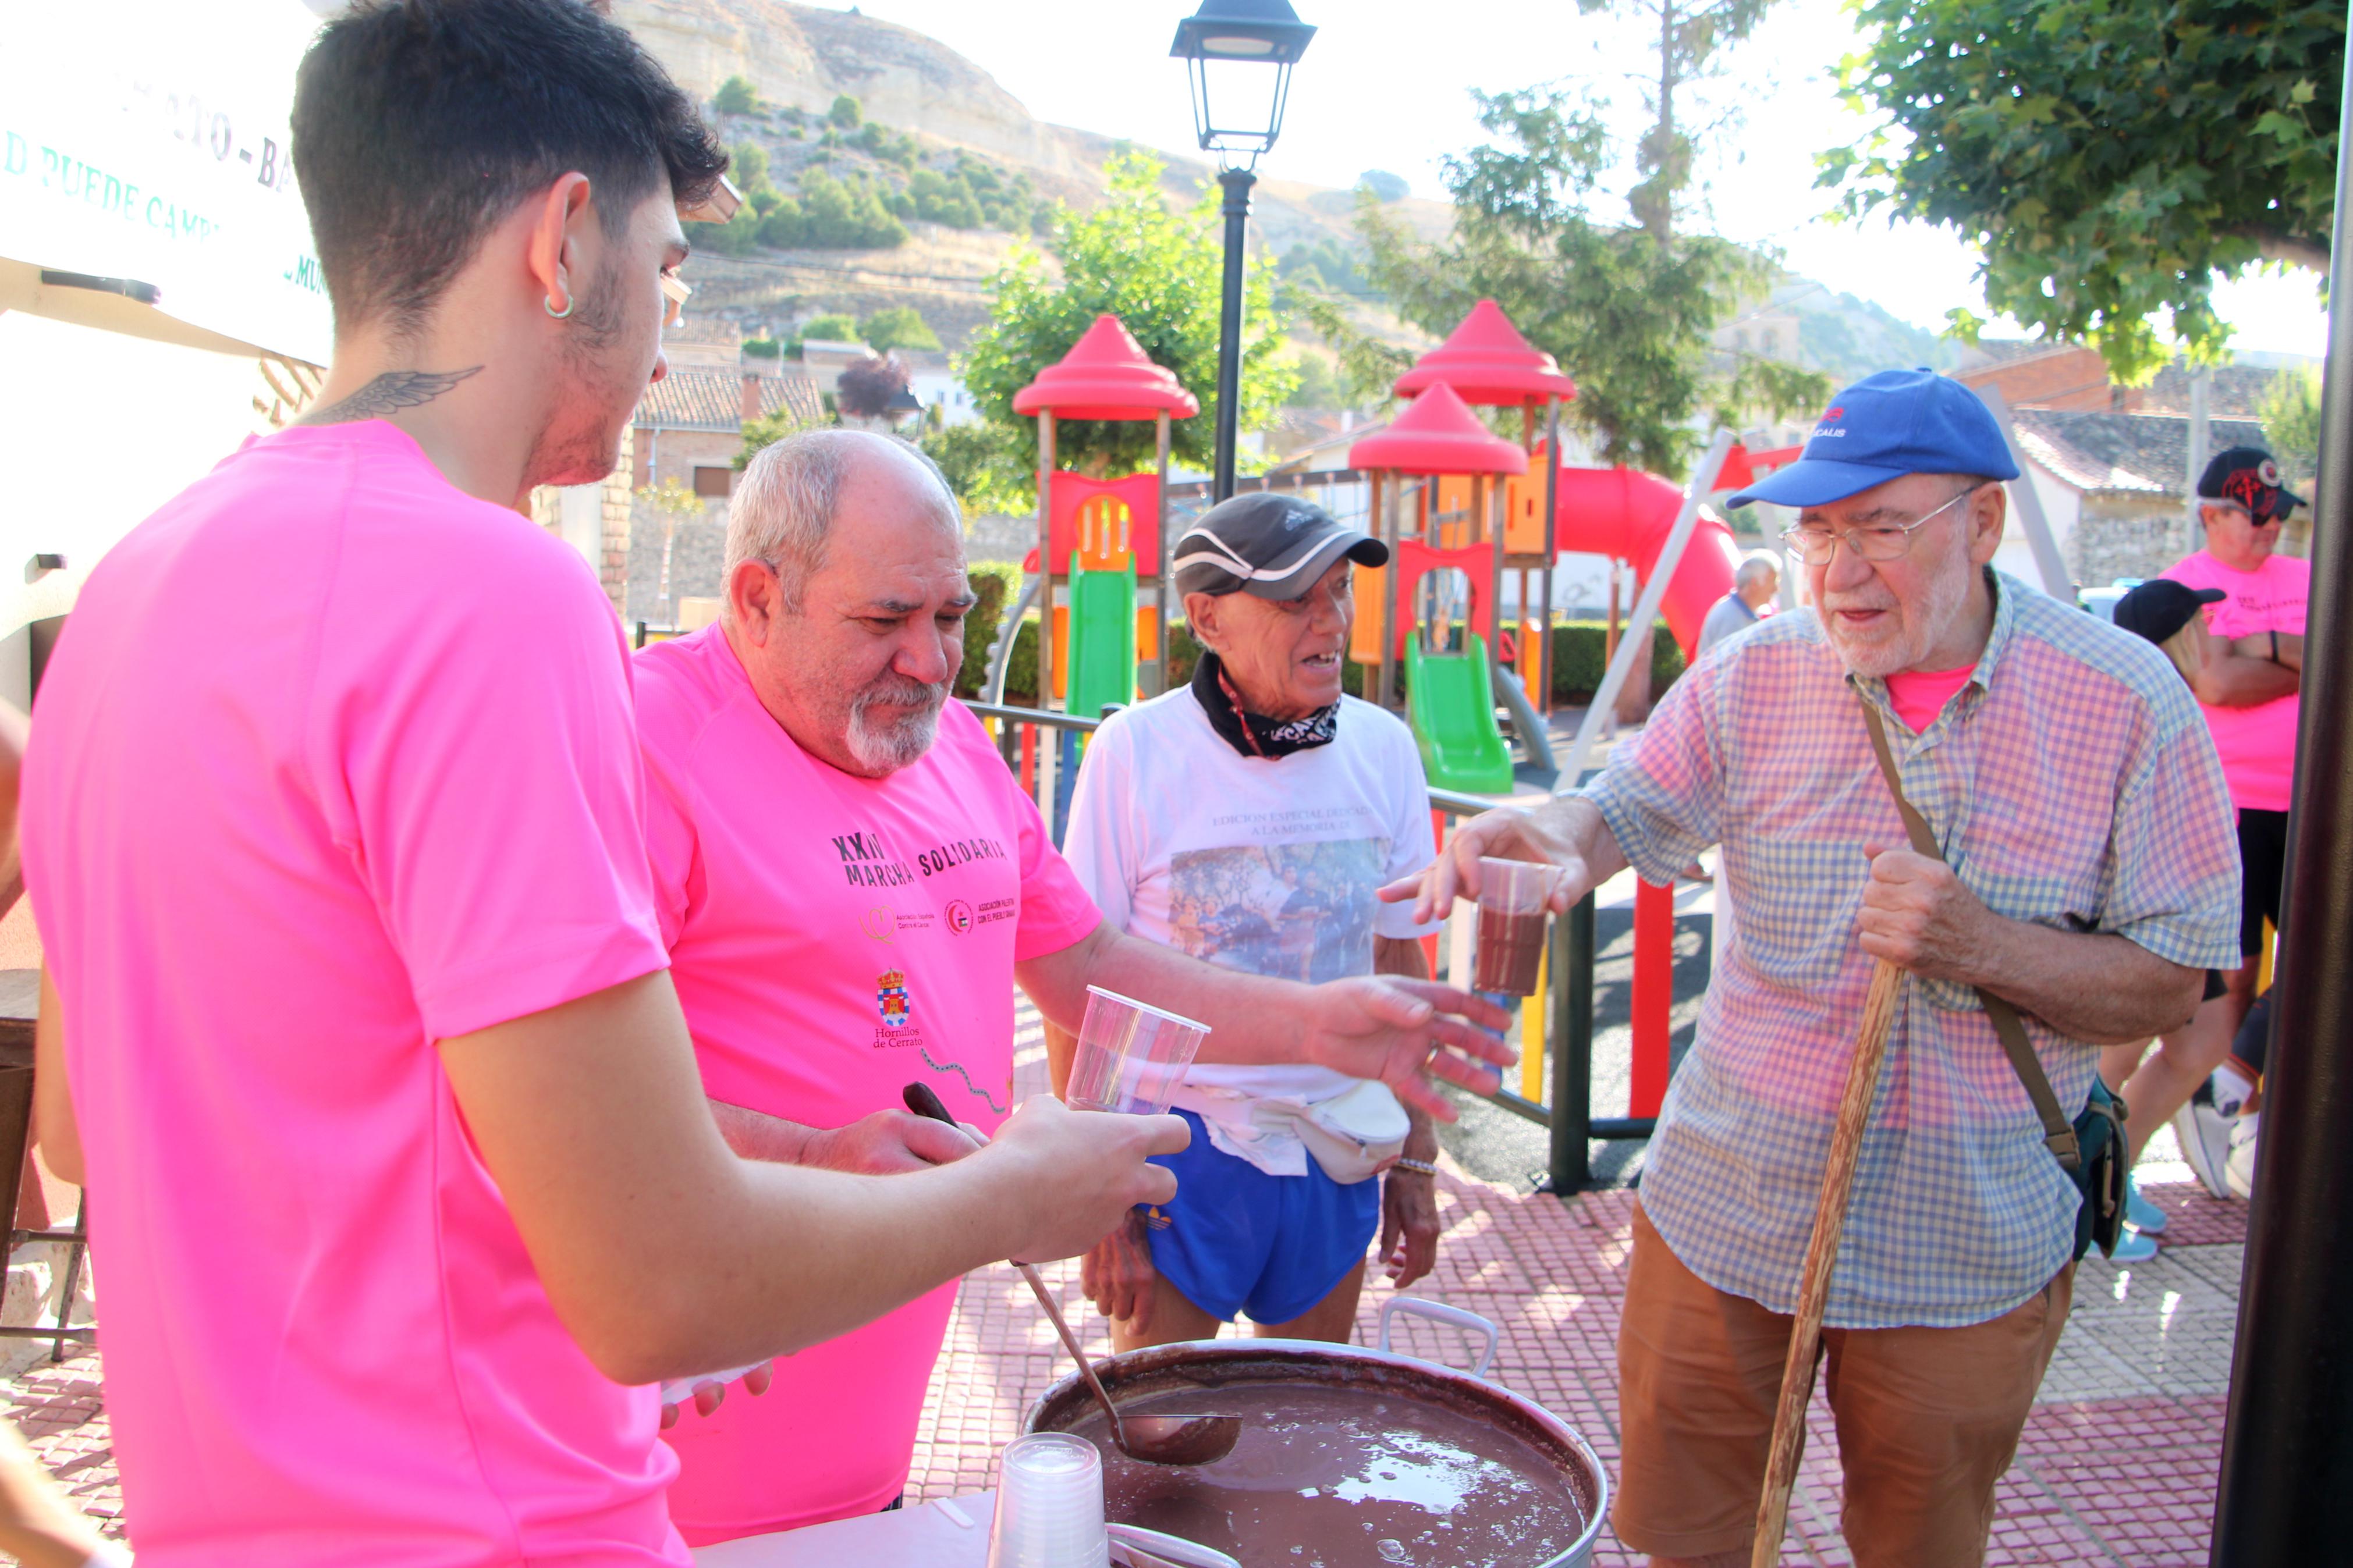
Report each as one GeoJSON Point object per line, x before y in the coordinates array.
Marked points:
{"type": "Point", "coordinates": [1046, 560]}
{"type": "Point", "coordinates": [1821, 1252]}
{"type": "Point", "coordinates": [1551, 549]}
{"type": "Point", "coordinates": [1167, 553]}
{"type": "Point", "coordinates": [1384, 502]}
{"type": "Point", "coordinates": [1493, 489]}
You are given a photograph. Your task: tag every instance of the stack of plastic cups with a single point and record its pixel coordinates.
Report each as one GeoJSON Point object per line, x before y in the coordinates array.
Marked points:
{"type": "Point", "coordinates": [1050, 1505]}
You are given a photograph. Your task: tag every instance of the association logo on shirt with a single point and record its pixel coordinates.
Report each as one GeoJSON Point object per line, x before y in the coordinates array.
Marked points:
{"type": "Point", "coordinates": [881, 922]}
{"type": "Point", "coordinates": [890, 998]}
{"type": "Point", "coordinates": [959, 916]}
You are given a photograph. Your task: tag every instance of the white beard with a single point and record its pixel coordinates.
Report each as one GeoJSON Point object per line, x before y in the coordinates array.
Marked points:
{"type": "Point", "coordinates": [1921, 628]}
{"type": "Point", "coordinates": [883, 748]}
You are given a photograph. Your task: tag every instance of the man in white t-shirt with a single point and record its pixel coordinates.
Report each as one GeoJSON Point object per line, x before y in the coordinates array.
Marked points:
{"type": "Point", "coordinates": [1247, 819]}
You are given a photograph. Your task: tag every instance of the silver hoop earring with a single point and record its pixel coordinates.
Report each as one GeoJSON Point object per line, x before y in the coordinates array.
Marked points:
{"type": "Point", "coordinates": [548, 305]}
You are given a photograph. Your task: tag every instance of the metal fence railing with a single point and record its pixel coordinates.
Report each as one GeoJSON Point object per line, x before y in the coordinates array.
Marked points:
{"type": "Point", "coordinates": [1554, 1079]}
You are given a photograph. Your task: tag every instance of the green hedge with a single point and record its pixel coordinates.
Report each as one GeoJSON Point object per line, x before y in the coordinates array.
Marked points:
{"type": "Point", "coordinates": [1577, 661]}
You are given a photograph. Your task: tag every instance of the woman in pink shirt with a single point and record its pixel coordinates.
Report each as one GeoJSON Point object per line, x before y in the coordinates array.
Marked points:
{"type": "Point", "coordinates": [2249, 691]}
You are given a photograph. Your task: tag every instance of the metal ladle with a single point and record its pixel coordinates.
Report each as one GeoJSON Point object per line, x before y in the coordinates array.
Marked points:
{"type": "Point", "coordinates": [1172, 1440]}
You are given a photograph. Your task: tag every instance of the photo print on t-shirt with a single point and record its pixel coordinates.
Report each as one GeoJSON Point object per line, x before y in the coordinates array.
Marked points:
{"type": "Point", "coordinates": [1298, 912]}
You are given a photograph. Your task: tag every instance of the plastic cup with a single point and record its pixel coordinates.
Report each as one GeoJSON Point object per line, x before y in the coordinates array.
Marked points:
{"type": "Point", "coordinates": [1130, 1056]}
{"type": "Point", "coordinates": [1050, 1505]}
{"type": "Point", "coordinates": [1511, 925]}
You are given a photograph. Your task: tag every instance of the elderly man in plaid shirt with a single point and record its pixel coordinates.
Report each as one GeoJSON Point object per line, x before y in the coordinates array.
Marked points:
{"type": "Point", "coordinates": [2090, 877]}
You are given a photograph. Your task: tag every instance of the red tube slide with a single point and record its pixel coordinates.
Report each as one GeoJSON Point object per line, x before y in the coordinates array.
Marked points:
{"type": "Point", "coordinates": [1628, 513]}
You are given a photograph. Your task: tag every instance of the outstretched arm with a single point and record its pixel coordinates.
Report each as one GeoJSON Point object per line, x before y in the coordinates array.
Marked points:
{"type": "Point", "coordinates": [1565, 832]}
{"type": "Point", "coordinates": [1394, 1030]}
{"type": "Point", "coordinates": [591, 1118]}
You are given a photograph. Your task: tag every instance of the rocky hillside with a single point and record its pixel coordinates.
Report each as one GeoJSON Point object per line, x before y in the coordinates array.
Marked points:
{"type": "Point", "coordinates": [935, 111]}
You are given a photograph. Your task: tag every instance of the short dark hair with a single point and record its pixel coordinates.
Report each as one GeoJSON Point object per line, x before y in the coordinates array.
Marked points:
{"type": "Point", "coordinates": [420, 124]}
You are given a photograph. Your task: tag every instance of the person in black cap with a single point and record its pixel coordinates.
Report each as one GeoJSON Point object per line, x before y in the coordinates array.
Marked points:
{"type": "Point", "coordinates": [2249, 692]}
{"type": "Point", "coordinates": [1247, 818]}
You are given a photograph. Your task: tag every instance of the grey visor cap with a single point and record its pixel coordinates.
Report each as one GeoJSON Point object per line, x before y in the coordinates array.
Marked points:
{"type": "Point", "coordinates": [1273, 546]}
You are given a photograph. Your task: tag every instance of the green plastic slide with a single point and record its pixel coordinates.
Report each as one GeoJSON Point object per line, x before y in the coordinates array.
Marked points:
{"type": "Point", "coordinates": [1102, 638]}
{"type": "Point", "coordinates": [1453, 713]}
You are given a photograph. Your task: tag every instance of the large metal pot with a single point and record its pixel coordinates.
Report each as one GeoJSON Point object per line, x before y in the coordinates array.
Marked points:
{"type": "Point", "coordinates": [1205, 1364]}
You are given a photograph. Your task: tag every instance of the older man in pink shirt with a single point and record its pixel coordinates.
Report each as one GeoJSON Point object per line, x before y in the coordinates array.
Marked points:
{"type": "Point", "coordinates": [849, 881]}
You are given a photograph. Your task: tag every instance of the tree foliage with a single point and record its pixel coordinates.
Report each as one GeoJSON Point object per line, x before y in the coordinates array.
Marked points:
{"type": "Point", "coordinates": [1691, 37]}
{"type": "Point", "coordinates": [865, 389]}
{"type": "Point", "coordinates": [736, 96]}
{"type": "Point", "coordinates": [2290, 411]}
{"type": "Point", "coordinates": [832, 328]}
{"type": "Point", "coordinates": [900, 327]}
{"type": "Point", "coordinates": [845, 114]}
{"type": "Point", "coordinates": [1158, 270]}
{"type": "Point", "coordinates": [766, 431]}
{"type": "Point", "coordinates": [2107, 160]}
{"type": "Point", "coordinates": [1627, 313]}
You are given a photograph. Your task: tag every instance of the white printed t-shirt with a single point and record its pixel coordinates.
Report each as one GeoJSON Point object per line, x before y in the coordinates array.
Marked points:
{"type": "Point", "coordinates": [1265, 866]}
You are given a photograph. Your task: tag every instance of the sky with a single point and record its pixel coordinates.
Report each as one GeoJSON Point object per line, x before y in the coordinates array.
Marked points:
{"type": "Point", "coordinates": [1383, 87]}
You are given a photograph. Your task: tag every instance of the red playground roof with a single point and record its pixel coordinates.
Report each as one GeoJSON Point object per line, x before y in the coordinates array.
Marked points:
{"type": "Point", "coordinates": [1106, 375]}
{"type": "Point", "coordinates": [1487, 361]}
{"type": "Point", "coordinates": [1438, 434]}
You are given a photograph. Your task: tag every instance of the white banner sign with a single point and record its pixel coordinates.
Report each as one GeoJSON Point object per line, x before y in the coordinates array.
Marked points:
{"type": "Point", "coordinates": [145, 140]}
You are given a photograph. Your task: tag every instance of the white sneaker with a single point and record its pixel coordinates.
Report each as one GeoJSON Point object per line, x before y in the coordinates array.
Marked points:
{"type": "Point", "coordinates": [2239, 1165]}
{"type": "Point", "coordinates": [2204, 1134]}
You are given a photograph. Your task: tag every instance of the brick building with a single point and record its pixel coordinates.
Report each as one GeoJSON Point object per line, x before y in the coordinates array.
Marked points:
{"type": "Point", "coordinates": [690, 424]}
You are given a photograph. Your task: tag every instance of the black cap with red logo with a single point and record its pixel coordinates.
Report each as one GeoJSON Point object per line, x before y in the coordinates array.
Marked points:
{"type": "Point", "coordinates": [2249, 477]}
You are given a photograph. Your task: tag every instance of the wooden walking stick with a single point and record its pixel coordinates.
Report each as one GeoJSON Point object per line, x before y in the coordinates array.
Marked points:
{"type": "Point", "coordinates": [1821, 1251]}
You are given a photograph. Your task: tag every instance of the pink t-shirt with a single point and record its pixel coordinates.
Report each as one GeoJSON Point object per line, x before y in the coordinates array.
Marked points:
{"type": "Point", "coordinates": [1919, 695]}
{"type": "Point", "coordinates": [833, 939]}
{"type": "Point", "coordinates": [2257, 744]}
{"type": "Point", "coordinates": [334, 761]}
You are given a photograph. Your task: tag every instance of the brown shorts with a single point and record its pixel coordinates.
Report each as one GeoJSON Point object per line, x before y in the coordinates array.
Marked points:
{"type": "Point", "coordinates": [1927, 1418]}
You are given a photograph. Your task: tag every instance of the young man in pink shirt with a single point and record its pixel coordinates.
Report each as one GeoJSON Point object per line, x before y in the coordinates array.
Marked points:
{"type": "Point", "coordinates": [402, 1179]}
{"type": "Point", "coordinates": [849, 882]}
{"type": "Point", "coordinates": [2248, 690]}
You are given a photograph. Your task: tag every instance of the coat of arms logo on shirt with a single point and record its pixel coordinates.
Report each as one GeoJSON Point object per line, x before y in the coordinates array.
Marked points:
{"type": "Point", "coordinates": [891, 999]}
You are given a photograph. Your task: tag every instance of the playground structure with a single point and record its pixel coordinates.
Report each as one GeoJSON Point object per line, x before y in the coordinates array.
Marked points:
{"type": "Point", "coordinates": [1450, 687]}
{"type": "Point", "coordinates": [1459, 507]}
{"type": "Point", "coordinates": [1097, 575]}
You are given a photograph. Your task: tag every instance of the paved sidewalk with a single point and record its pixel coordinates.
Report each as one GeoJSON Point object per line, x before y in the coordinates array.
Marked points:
{"type": "Point", "coordinates": [2117, 1466]}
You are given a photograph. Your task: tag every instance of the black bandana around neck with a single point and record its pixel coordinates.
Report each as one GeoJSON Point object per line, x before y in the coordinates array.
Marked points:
{"type": "Point", "coordinates": [1253, 734]}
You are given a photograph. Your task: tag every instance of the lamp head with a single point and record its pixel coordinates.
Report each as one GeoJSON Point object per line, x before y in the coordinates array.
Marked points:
{"type": "Point", "coordinates": [1237, 113]}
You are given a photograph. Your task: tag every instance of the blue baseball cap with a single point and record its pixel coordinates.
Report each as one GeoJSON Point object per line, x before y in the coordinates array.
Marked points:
{"type": "Point", "coordinates": [1883, 428]}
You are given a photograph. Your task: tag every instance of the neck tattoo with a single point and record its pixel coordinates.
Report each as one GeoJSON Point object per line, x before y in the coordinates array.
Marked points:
{"type": "Point", "coordinates": [394, 389]}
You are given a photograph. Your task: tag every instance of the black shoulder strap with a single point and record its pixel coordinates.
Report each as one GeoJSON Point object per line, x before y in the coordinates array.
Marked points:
{"type": "Point", "coordinates": [2057, 1133]}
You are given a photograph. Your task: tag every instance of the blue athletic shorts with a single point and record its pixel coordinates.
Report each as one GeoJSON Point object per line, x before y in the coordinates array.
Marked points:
{"type": "Point", "coordinates": [1236, 1239]}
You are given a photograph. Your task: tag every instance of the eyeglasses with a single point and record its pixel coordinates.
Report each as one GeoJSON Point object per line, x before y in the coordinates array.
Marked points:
{"type": "Point", "coordinates": [674, 292]}
{"type": "Point", "coordinates": [1872, 542]}
{"type": "Point", "coordinates": [2247, 512]}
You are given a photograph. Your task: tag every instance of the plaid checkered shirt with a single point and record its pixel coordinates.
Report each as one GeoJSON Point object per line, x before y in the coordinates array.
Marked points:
{"type": "Point", "coordinates": [2071, 784]}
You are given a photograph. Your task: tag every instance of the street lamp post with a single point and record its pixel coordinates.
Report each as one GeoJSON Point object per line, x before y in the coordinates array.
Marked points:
{"type": "Point", "coordinates": [1237, 114]}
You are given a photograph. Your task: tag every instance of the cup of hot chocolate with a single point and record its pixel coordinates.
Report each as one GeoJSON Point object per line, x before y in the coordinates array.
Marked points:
{"type": "Point", "coordinates": [1509, 949]}
{"type": "Point", "coordinates": [1131, 1056]}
